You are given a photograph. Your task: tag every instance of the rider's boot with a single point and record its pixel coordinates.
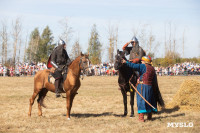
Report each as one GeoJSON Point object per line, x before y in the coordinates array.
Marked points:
{"type": "Point", "coordinates": [57, 84]}
{"type": "Point", "coordinates": [141, 117]}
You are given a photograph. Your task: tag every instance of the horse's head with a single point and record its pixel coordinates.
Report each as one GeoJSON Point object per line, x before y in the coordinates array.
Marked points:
{"type": "Point", "coordinates": [118, 59]}
{"type": "Point", "coordinates": [84, 62]}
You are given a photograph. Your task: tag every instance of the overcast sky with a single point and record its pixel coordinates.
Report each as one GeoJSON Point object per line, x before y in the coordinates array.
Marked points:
{"type": "Point", "coordinates": [126, 14]}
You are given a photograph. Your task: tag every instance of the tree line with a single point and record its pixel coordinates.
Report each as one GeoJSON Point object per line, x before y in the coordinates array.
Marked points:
{"type": "Point", "coordinates": [38, 46]}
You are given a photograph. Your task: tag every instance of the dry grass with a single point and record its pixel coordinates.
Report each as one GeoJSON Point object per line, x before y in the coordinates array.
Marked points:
{"type": "Point", "coordinates": [97, 108]}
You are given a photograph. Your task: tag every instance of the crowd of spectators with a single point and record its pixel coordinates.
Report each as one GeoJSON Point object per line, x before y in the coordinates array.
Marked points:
{"type": "Point", "coordinates": [21, 69]}
{"type": "Point", "coordinates": [104, 69]}
{"type": "Point", "coordinates": [186, 68]}
{"type": "Point", "coordinates": [25, 69]}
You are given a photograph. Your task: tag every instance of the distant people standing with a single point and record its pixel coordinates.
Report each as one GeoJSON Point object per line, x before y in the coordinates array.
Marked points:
{"type": "Point", "coordinates": [185, 71]}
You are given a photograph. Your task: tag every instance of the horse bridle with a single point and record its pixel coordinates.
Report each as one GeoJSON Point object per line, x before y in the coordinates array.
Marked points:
{"type": "Point", "coordinates": [82, 66]}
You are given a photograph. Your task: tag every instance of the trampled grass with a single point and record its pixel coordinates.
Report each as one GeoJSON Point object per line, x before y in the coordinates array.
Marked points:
{"type": "Point", "coordinates": [98, 107]}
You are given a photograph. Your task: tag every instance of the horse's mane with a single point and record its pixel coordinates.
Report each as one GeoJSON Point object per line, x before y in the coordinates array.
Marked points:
{"type": "Point", "coordinates": [70, 65]}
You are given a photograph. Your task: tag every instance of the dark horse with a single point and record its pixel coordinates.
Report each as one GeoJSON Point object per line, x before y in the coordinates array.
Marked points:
{"type": "Point", "coordinates": [126, 74]}
{"type": "Point", "coordinates": [70, 86]}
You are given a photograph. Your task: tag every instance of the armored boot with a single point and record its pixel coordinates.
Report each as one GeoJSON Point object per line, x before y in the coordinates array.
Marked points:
{"type": "Point", "coordinates": [57, 84]}
{"type": "Point", "coordinates": [141, 117]}
{"type": "Point", "coordinates": [149, 116]}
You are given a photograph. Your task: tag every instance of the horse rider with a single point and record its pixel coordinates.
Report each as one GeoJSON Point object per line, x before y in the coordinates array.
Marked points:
{"type": "Point", "coordinates": [136, 52]}
{"type": "Point", "coordinates": [59, 59]}
{"type": "Point", "coordinates": [147, 79]}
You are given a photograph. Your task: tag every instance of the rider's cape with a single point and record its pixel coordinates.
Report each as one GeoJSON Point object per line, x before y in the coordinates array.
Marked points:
{"type": "Point", "coordinates": [49, 65]}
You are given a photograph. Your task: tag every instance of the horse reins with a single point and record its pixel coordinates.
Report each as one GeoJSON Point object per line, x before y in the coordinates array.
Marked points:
{"type": "Point", "coordinates": [123, 85]}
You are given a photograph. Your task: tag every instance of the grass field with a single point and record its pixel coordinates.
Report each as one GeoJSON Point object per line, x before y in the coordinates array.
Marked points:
{"type": "Point", "coordinates": [98, 107]}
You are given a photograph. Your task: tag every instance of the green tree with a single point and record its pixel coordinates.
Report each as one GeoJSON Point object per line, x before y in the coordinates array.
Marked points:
{"type": "Point", "coordinates": [33, 46]}
{"type": "Point", "coordinates": [45, 45]}
{"type": "Point", "coordinates": [94, 47]}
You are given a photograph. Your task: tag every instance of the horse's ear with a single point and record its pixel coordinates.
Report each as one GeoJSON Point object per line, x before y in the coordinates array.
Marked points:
{"type": "Point", "coordinates": [117, 51]}
{"type": "Point", "coordinates": [82, 54]}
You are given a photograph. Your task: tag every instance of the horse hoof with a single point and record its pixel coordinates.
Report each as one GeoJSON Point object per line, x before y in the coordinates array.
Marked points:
{"type": "Point", "coordinates": [68, 119]}
{"type": "Point", "coordinates": [131, 116]}
{"type": "Point", "coordinates": [125, 114]}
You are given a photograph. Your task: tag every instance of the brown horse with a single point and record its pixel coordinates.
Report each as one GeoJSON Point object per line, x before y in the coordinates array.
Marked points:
{"type": "Point", "coordinates": [70, 85]}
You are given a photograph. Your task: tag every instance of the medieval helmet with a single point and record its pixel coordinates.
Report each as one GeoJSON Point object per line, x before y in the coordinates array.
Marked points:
{"type": "Point", "coordinates": [134, 39]}
{"type": "Point", "coordinates": [146, 59]}
{"type": "Point", "coordinates": [61, 42]}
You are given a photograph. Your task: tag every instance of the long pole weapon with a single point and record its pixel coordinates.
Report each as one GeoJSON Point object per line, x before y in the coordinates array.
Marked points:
{"type": "Point", "coordinates": [141, 95]}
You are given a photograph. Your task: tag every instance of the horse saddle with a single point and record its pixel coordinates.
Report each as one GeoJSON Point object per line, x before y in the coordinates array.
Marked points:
{"type": "Point", "coordinates": [58, 75]}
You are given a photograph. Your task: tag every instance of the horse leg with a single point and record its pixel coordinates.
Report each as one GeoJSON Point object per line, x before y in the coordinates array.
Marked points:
{"type": "Point", "coordinates": [32, 99]}
{"type": "Point", "coordinates": [70, 98]}
{"type": "Point", "coordinates": [40, 99]}
{"type": "Point", "coordinates": [68, 94]}
{"type": "Point", "coordinates": [125, 101]}
{"type": "Point", "coordinates": [132, 103]}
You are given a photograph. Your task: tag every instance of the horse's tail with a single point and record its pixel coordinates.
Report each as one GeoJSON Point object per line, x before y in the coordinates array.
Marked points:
{"type": "Point", "coordinates": [160, 99]}
{"type": "Point", "coordinates": [41, 97]}
{"type": "Point", "coordinates": [157, 94]}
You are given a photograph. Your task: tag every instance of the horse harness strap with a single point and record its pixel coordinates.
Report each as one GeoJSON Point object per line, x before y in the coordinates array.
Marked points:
{"type": "Point", "coordinates": [131, 90]}
{"type": "Point", "coordinates": [123, 85]}
{"type": "Point", "coordinates": [81, 65]}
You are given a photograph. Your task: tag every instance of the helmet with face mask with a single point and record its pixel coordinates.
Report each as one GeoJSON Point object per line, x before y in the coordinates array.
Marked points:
{"type": "Point", "coordinates": [134, 39]}
{"type": "Point", "coordinates": [61, 42]}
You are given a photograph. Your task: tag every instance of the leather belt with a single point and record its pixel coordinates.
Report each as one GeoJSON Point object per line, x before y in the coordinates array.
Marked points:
{"type": "Point", "coordinates": [140, 82]}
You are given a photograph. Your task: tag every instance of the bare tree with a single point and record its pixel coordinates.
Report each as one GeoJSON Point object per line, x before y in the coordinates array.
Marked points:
{"type": "Point", "coordinates": [25, 50]}
{"type": "Point", "coordinates": [20, 42]}
{"type": "Point", "coordinates": [146, 39]}
{"type": "Point", "coordinates": [16, 30]}
{"type": "Point", "coordinates": [151, 39]}
{"type": "Point", "coordinates": [67, 30]}
{"type": "Point", "coordinates": [136, 29]}
{"type": "Point", "coordinates": [113, 38]}
{"type": "Point", "coordinates": [76, 49]}
{"type": "Point", "coordinates": [170, 41]}
{"type": "Point", "coordinates": [174, 43]}
{"type": "Point", "coordinates": [4, 41]}
{"type": "Point", "coordinates": [183, 43]}
{"type": "Point", "coordinates": [199, 49]}
{"type": "Point", "coordinates": [142, 34]}
{"type": "Point", "coordinates": [152, 43]}
{"type": "Point", "coordinates": [171, 44]}
{"type": "Point", "coordinates": [165, 41]}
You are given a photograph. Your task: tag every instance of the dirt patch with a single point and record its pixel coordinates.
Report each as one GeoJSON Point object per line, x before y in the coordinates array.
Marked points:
{"type": "Point", "coordinates": [187, 97]}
